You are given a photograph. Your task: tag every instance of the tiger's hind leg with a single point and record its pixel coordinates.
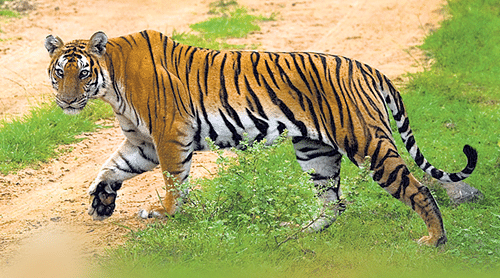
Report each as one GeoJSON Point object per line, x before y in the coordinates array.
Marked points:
{"type": "Point", "coordinates": [391, 173]}
{"type": "Point", "coordinates": [325, 160]}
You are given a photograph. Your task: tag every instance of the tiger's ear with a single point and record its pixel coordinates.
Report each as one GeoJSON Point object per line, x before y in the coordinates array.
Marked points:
{"type": "Point", "coordinates": [52, 44]}
{"type": "Point", "coordinates": [97, 43]}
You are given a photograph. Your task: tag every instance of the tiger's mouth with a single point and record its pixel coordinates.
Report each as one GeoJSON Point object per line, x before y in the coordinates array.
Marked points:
{"type": "Point", "coordinates": [73, 107]}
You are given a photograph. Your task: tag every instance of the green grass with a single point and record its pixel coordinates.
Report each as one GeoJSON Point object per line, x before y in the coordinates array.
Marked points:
{"type": "Point", "coordinates": [231, 21]}
{"type": "Point", "coordinates": [237, 24]}
{"type": "Point", "coordinates": [453, 103]}
{"type": "Point", "coordinates": [8, 13]}
{"type": "Point", "coordinates": [35, 137]}
{"type": "Point", "coordinates": [203, 41]}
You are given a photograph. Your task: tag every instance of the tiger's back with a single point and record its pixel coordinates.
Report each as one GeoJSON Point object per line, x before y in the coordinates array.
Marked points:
{"type": "Point", "coordinates": [169, 97]}
{"type": "Point", "coordinates": [232, 92]}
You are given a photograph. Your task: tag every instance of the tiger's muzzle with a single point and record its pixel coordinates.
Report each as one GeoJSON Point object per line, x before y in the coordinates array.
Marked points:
{"type": "Point", "coordinates": [71, 106]}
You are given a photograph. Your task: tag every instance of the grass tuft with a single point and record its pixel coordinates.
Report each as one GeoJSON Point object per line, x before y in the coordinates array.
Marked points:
{"type": "Point", "coordinates": [8, 13]}
{"type": "Point", "coordinates": [231, 21]}
{"type": "Point", "coordinates": [35, 137]}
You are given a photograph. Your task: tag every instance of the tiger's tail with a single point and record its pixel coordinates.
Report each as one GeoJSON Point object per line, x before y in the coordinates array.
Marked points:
{"type": "Point", "coordinates": [395, 103]}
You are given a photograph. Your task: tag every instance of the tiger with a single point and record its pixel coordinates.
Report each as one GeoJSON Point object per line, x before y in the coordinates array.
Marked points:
{"type": "Point", "coordinates": [168, 97]}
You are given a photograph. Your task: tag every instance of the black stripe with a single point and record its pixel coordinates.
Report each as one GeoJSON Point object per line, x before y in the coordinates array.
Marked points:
{"type": "Point", "coordinates": [405, 126]}
{"type": "Point", "coordinates": [131, 168]}
{"type": "Point", "coordinates": [405, 182]}
{"type": "Point", "coordinates": [360, 90]}
{"type": "Point", "coordinates": [392, 176]}
{"type": "Point", "coordinates": [225, 98]}
{"type": "Point", "coordinates": [271, 74]}
{"type": "Point", "coordinates": [143, 155]}
{"type": "Point", "coordinates": [281, 127]}
{"type": "Point", "coordinates": [261, 125]}
{"type": "Point", "coordinates": [288, 113]}
{"type": "Point", "coordinates": [419, 159]}
{"type": "Point", "coordinates": [165, 46]}
{"type": "Point", "coordinates": [256, 100]}
{"type": "Point", "coordinates": [254, 58]}
{"type": "Point", "coordinates": [285, 78]}
{"type": "Point", "coordinates": [173, 56]}
{"type": "Point", "coordinates": [146, 37]}
{"type": "Point", "coordinates": [185, 147]}
{"type": "Point", "coordinates": [436, 173]}
{"type": "Point", "coordinates": [133, 39]}
{"type": "Point", "coordinates": [127, 41]}
{"type": "Point", "coordinates": [312, 112]}
{"type": "Point", "coordinates": [207, 68]}
{"type": "Point", "coordinates": [307, 149]}
{"type": "Point", "coordinates": [118, 93]}
{"type": "Point", "coordinates": [410, 142]}
{"type": "Point", "coordinates": [249, 104]}
{"type": "Point", "coordinates": [177, 97]}
{"type": "Point", "coordinates": [214, 56]}
{"type": "Point", "coordinates": [299, 70]}
{"type": "Point", "coordinates": [211, 131]}
{"type": "Point", "coordinates": [189, 63]}
{"type": "Point", "coordinates": [391, 153]}
{"type": "Point", "coordinates": [237, 72]}
{"type": "Point", "coordinates": [236, 136]}
{"type": "Point", "coordinates": [197, 134]}
{"type": "Point", "coordinates": [150, 126]}
{"type": "Point", "coordinates": [337, 94]}
{"type": "Point", "coordinates": [188, 158]}
{"type": "Point", "coordinates": [316, 155]}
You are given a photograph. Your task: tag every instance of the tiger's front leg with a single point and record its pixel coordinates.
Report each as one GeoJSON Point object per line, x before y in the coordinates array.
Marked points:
{"type": "Point", "coordinates": [128, 161]}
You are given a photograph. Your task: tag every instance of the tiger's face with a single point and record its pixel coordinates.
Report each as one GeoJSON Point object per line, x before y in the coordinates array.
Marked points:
{"type": "Point", "coordinates": [76, 72]}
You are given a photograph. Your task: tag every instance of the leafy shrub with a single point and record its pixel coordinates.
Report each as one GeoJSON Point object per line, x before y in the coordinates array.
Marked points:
{"type": "Point", "coordinates": [259, 201]}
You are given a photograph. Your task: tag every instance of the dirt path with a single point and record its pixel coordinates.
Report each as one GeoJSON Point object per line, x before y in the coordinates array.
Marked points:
{"type": "Point", "coordinates": [44, 210]}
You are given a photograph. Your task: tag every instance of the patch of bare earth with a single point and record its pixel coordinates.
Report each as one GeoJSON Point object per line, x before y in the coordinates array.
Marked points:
{"type": "Point", "coordinates": [43, 211]}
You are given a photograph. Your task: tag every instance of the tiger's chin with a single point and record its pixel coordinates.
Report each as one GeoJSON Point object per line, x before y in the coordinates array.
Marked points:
{"type": "Point", "coordinates": [72, 111]}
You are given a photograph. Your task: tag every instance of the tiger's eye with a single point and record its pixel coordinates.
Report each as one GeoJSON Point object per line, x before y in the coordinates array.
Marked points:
{"type": "Point", "coordinates": [59, 73]}
{"type": "Point", "coordinates": [84, 74]}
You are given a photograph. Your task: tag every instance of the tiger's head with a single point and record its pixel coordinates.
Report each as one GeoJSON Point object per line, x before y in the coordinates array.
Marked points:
{"type": "Point", "coordinates": [76, 70]}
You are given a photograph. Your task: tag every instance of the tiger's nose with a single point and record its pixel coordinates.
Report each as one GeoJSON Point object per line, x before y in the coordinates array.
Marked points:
{"type": "Point", "coordinates": [68, 99]}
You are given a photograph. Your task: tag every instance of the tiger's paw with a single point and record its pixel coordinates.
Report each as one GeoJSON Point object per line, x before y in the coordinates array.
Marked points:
{"type": "Point", "coordinates": [320, 224]}
{"type": "Point", "coordinates": [102, 199]}
{"type": "Point", "coordinates": [152, 213]}
{"type": "Point", "coordinates": [432, 241]}
{"type": "Point", "coordinates": [329, 214]}
{"type": "Point", "coordinates": [169, 207]}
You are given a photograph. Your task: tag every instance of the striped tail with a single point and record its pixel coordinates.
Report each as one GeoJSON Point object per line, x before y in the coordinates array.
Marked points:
{"type": "Point", "coordinates": [394, 101]}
